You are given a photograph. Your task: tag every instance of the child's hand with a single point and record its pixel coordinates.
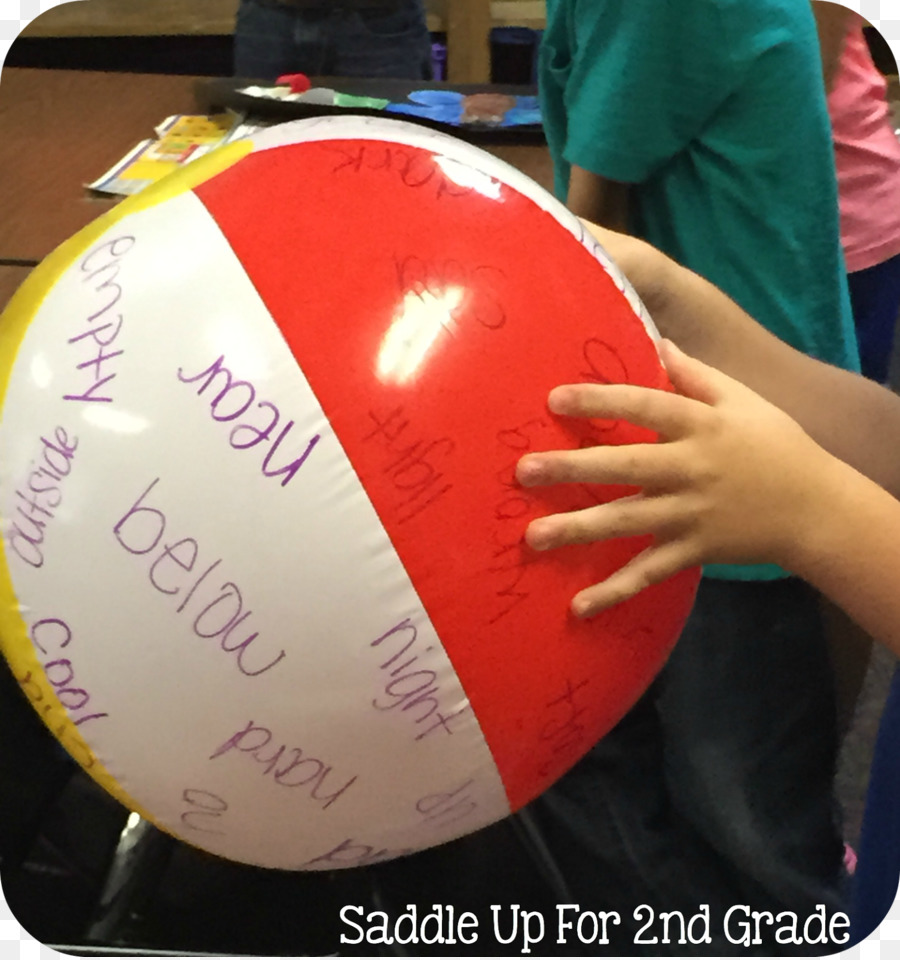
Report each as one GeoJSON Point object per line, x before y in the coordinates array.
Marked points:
{"type": "Point", "coordinates": [733, 478]}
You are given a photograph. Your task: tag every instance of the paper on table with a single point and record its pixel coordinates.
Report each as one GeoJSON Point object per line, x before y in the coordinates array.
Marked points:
{"type": "Point", "coordinates": [179, 140]}
{"type": "Point", "coordinates": [319, 96]}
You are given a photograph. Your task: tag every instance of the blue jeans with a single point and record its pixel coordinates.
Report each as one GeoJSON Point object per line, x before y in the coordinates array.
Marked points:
{"type": "Point", "coordinates": [272, 39]}
{"type": "Point", "coordinates": [717, 788]}
{"type": "Point", "coordinates": [875, 296]}
{"type": "Point", "coordinates": [875, 883]}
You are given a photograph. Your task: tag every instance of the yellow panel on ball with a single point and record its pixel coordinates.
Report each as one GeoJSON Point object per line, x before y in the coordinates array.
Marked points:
{"type": "Point", "coordinates": [15, 643]}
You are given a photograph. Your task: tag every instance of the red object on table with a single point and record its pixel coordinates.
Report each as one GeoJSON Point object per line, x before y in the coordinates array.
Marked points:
{"type": "Point", "coordinates": [298, 82]}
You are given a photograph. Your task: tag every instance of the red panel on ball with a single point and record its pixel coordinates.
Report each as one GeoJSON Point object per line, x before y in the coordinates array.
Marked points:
{"type": "Point", "coordinates": [348, 240]}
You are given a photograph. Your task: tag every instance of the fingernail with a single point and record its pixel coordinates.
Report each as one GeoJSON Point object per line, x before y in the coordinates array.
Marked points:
{"type": "Point", "coordinates": [538, 535]}
{"type": "Point", "coordinates": [671, 347]}
{"type": "Point", "coordinates": [528, 470]}
{"type": "Point", "coordinates": [556, 400]}
{"type": "Point", "coordinates": [581, 607]}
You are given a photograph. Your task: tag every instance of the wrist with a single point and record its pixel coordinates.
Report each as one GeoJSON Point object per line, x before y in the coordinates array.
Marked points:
{"type": "Point", "coordinates": [833, 507]}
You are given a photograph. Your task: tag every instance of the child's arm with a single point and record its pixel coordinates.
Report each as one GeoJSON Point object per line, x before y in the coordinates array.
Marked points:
{"type": "Point", "coordinates": [733, 479]}
{"type": "Point", "coordinates": [849, 416]}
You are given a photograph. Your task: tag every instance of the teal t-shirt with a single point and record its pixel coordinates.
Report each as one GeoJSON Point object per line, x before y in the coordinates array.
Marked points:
{"type": "Point", "coordinates": [716, 109]}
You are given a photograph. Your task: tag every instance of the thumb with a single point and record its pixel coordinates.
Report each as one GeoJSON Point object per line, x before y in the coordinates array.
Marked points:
{"type": "Point", "coordinates": [689, 376]}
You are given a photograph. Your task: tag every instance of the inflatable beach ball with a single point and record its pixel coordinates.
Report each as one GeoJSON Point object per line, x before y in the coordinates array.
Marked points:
{"type": "Point", "coordinates": [263, 570]}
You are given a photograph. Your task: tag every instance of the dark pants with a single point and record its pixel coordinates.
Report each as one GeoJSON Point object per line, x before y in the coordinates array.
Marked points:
{"type": "Point", "coordinates": [717, 788]}
{"type": "Point", "coordinates": [272, 39]}
{"type": "Point", "coordinates": [875, 296]}
{"type": "Point", "coordinates": [875, 883]}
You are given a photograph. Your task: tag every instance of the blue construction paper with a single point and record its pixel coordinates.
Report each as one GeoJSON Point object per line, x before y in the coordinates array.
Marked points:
{"type": "Point", "coordinates": [435, 98]}
{"type": "Point", "coordinates": [446, 106]}
{"type": "Point", "coordinates": [448, 113]}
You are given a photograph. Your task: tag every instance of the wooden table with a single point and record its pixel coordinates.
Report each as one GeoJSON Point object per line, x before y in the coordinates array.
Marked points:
{"type": "Point", "coordinates": [62, 129]}
{"type": "Point", "coordinates": [10, 280]}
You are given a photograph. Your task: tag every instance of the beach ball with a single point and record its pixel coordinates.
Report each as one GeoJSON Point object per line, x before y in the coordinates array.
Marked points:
{"type": "Point", "coordinates": [263, 570]}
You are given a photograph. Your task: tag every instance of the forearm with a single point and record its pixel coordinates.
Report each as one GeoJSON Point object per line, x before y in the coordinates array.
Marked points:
{"type": "Point", "coordinates": [843, 412]}
{"type": "Point", "coordinates": [846, 414]}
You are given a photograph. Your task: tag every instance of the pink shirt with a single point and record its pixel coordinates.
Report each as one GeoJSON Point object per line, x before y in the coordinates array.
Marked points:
{"type": "Point", "coordinates": [867, 154]}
